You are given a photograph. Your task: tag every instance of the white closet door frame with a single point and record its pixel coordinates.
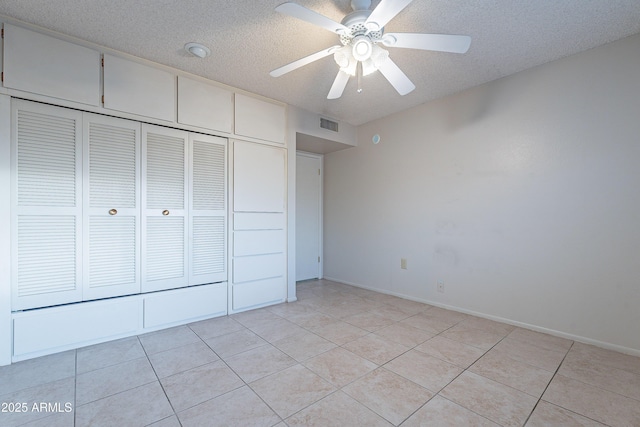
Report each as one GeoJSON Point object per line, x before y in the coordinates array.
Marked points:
{"type": "Point", "coordinates": [153, 215]}
{"type": "Point", "coordinates": [113, 217]}
{"type": "Point", "coordinates": [214, 213]}
{"type": "Point", "coordinates": [46, 297]}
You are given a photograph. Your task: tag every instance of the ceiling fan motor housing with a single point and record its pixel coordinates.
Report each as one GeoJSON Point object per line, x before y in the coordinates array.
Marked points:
{"type": "Point", "coordinates": [355, 22]}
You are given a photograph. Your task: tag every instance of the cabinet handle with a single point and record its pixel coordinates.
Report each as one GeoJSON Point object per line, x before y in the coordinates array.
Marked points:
{"type": "Point", "coordinates": [113, 212]}
{"type": "Point", "coordinates": [165, 212]}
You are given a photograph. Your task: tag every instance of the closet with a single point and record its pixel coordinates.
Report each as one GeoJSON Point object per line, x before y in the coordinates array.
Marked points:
{"type": "Point", "coordinates": [107, 207]}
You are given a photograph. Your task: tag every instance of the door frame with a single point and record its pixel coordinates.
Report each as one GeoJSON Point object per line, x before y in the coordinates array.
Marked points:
{"type": "Point", "coordinates": [319, 157]}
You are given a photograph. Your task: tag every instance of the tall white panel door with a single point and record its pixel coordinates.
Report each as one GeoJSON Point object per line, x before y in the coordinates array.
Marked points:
{"type": "Point", "coordinates": [259, 188]}
{"type": "Point", "coordinates": [165, 202]}
{"type": "Point", "coordinates": [111, 207]}
{"type": "Point", "coordinates": [308, 216]}
{"type": "Point", "coordinates": [208, 209]}
{"type": "Point", "coordinates": [46, 159]}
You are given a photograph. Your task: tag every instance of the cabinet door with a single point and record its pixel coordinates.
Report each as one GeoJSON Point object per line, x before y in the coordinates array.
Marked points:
{"type": "Point", "coordinates": [260, 119]}
{"type": "Point", "coordinates": [111, 207]}
{"type": "Point", "coordinates": [204, 105]}
{"type": "Point", "coordinates": [136, 88]}
{"type": "Point", "coordinates": [208, 209]}
{"type": "Point", "coordinates": [258, 178]}
{"type": "Point", "coordinates": [165, 201]}
{"type": "Point", "coordinates": [44, 65]}
{"type": "Point", "coordinates": [46, 209]}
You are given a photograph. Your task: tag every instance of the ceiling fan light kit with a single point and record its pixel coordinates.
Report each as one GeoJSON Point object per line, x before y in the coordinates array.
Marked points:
{"type": "Point", "coordinates": [360, 34]}
{"type": "Point", "coordinates": [361, 48]}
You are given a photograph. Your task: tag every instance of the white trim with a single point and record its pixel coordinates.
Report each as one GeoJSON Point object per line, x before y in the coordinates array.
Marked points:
{"type": "Point", "coordinates": [578, 338]}
{"type": "Point", "coordinates": [6, 330]}
{"type": "Point", "coordinates": [291, 213]}
{"type": "Point", "coordinates": [230, 224]}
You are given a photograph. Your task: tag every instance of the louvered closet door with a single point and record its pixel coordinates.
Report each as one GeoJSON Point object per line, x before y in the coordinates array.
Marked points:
{"type": "Point", "coordinates": [208, 207]}
{"type": "Point", "coordinates": [46, 208]}
{"type": "Point", "coordinates": [165, 248]}
{"type": "Point", "coordinates": [111, 207]}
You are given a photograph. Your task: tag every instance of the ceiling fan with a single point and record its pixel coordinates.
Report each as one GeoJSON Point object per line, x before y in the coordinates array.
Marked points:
{"type": "Point", "coordinates": [361, 34]}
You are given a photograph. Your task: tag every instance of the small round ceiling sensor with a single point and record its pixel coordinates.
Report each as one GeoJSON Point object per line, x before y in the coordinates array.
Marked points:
{"type": "Point", "coordinates": [375, 139]}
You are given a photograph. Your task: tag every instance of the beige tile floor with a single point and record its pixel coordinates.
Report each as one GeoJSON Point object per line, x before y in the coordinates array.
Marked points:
{"type": "Point", "coordinates": [340, 356]}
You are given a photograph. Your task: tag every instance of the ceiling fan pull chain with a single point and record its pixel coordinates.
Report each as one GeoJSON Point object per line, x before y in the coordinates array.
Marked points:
{"type": "Point", "coordinates": [359, 77]}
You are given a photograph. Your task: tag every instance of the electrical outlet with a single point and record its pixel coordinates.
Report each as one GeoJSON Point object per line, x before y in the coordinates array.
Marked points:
{"type": "Point", "coordinates": [403, 263]}
{"type": "Point", "coordinates": [440, 286]}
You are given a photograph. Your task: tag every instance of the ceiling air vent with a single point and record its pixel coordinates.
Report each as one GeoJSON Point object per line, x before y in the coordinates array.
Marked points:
{"type": "Point", "coordinates": [329, 125]}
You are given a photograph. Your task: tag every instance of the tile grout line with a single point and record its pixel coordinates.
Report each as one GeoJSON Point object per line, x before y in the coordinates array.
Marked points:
{"type": "Point", "coordinates": [236, 374]}
{"type": "Point", "coordinates": [548, 384]}
{"type": "Point", "coordinates": [158, 379]}
{"type": "Point", "coordinates": [75, 389]}
{"type": "Point", "coordinates": [582, 382]}
{"type": "Point", "coordinates": [382, 365]}
{"type": "Point", "coordinates": [465, 370]}
{"type": "Point", "coordinates": [453, 379]}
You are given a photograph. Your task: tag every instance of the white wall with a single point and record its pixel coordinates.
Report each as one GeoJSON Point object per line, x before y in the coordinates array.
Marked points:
{"type": "Point", "coordinates": [522, 195]}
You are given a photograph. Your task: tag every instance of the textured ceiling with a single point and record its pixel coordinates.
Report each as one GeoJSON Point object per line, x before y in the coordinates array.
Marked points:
{"type": "Point", "coordinates": [248, 39]}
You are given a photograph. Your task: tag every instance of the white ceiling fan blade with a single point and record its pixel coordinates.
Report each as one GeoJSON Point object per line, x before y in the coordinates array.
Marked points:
{"type": "Point", "coordinates": [385, 12]}
{"type": "Point", "coordinates": [300, 12]}
{"type": "Point", "coordinates": [338, 85]}
{"type": "Point", "coordinates": [438, 42]}
{"type": "Point", "coordinates": [302, 62]}
{"type": "Point", "coordinates": [396, 77]}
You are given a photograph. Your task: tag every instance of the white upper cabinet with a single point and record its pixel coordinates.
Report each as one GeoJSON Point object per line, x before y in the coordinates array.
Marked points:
{"type": "Point", "coordinates": [111, 207]}
{"type": "Point", "coordinates": [258, 178]}
{"type": "Point", "coordinates": [46, 205]}
{"type": "Point", "coordinates": [259, 119]}
{"type": "Point", "coordinates": [48, 66]}
{"type": "Point", "coordinates": [139, 89]}
{"type": "Point", "coordinates": [165, 193]}
{"type": "Point", "coordinates": [204, 105]}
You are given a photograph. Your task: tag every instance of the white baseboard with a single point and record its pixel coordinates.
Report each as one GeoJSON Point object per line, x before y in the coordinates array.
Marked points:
{"type": "Point", "coordinates": [578, 338]}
